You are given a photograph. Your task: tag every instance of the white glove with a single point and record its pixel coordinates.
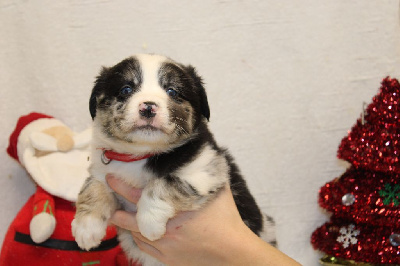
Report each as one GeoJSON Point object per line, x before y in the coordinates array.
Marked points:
{"type": "Point", "coordinates": [42, 227]}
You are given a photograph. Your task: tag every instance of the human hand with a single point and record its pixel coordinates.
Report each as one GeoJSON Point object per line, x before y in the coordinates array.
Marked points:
{"type": "Point", "coordinates": [213, 235]}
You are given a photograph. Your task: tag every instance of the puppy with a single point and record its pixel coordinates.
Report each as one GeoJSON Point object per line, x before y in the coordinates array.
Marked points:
{"type": "Point", "coordinates": [150, 129]}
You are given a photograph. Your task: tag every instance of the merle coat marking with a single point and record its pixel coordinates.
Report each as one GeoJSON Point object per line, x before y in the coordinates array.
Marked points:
{"type": "Point", "coordinates": [149, 104]}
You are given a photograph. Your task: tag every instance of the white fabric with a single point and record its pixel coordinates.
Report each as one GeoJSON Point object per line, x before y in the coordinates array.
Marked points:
{"type": "Point", "coordinates": [62, 174]}
{"type": "Point", "coordinates": [42, 227]}
{"type": "Point", "coordinates": [43, 142]}
{"type": "Point", "coordinates": [30, 131]}
{"type": "Point", "coordinates": [82, 139]}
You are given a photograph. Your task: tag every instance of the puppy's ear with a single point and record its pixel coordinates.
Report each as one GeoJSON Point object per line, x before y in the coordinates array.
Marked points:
{"type": "Point", "coordinates": [98, 85]}
{"type": "Point", "coordinates": [205, 109]}
{"type": "Point", "coordinates": [93, 104]}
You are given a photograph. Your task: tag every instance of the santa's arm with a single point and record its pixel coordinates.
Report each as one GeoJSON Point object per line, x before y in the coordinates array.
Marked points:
{"type": "Point", "coordinates": [43, 222]}
{"type": "Point", "coordinates": [43, 142]}
{"type": "Point", "coordinates": [82, 139]}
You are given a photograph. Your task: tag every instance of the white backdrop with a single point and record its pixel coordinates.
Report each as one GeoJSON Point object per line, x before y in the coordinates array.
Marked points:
{"type": "Point", "coordinates": [285, 79]}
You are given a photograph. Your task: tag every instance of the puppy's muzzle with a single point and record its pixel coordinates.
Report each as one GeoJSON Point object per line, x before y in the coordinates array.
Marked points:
{"type": "Point", "coordinates": [148, 110]}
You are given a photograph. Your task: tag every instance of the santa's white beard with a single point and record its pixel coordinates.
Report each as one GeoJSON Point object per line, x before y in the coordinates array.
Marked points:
{"type": "Point", "coordinates": [62, 174]}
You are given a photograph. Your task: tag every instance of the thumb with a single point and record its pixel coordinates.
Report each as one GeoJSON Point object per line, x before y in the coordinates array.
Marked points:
{"type": "Point", "coordinates": [125, 220]}
{"type": "Point", "coordinates": [120, 187]}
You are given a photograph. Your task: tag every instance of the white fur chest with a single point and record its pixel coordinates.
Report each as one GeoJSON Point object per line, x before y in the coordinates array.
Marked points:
{"type": "Point", "coordinates": [133, 173]}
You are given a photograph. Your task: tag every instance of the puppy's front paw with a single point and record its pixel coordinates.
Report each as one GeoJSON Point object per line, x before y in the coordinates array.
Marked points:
{"type": "Point", "coordinates": [88, 231]}
{"type": "Point", "coordinates": [151, 226]}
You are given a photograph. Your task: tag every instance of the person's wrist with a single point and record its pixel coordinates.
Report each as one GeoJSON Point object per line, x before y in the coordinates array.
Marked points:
{"type": "Point", "coordinates": [250, 249]}
{"type": "Point", "coordinates": [231, 248]}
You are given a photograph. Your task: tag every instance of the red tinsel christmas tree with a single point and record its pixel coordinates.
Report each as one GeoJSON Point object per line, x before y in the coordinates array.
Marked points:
{"type": "Point", "coordinates": [364, 228]}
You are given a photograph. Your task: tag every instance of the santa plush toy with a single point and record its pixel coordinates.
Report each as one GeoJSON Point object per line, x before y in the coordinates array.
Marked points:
{"type": "Point", "coordinates": [57, 159]}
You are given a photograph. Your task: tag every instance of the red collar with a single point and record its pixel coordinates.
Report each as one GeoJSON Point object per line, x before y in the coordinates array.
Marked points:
{"type": "Point", "coordinates": [109, 155]}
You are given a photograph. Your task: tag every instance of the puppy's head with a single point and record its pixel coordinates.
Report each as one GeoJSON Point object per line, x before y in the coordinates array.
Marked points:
{"type": "Point", "coordinates": [148, 100]}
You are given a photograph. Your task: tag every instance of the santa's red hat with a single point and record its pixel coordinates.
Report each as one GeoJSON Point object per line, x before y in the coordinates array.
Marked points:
{"type": "Point", "coordinates": [19, 139]}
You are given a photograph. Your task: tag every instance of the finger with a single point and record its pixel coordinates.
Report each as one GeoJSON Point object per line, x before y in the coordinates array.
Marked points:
{"type": "Point", "coordinates": [125, 220]}
{"type": "Point", "coordinates": [147, 247]}
{"type": "Point", "coordinates": [138, 235]}
{"type": "Point", "coordinates": [130, 193]}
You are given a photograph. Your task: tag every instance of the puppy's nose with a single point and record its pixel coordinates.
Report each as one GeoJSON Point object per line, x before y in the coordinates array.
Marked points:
{"type": "Point", "coordinates": [148, 109]}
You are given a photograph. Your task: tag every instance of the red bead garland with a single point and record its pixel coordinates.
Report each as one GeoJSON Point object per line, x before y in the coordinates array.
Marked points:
{"type": "Point", "coordinates": [369, 206]}
{"type": "Point", "coordinates": [373, 245]}
{"type": "Point", "coordinates": [365, 200]}
{"type": "Point", "coordinates": [375, 144]}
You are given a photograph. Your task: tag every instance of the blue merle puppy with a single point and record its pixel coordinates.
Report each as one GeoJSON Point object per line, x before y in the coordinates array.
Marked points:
{"type": "Point", "coordinates": [150, 129]}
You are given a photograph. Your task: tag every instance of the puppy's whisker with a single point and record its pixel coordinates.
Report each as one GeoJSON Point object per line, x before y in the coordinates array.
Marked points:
{"type": "Point", "coordinates": [180, 119]}
{"type": "Point", "coordinates": [181, 129]}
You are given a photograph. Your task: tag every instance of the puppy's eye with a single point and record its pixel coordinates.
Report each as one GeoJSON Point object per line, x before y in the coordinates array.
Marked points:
{"type": "Point", "coordinates": [171, 92]}
{"type": "Point", "coordinates": [125, 90]}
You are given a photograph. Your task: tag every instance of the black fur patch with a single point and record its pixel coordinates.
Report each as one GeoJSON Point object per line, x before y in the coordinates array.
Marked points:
{"type": "Point", "coordinates": [189, 85]}
{"type": "Point", "coordinates": [165, 163]}
{"type": "Point", "coordinates": [204, 107]}
{"type": "Point", "coordinates": [108, 84]}
{"type": "Point", "coordinates": [245, 202]}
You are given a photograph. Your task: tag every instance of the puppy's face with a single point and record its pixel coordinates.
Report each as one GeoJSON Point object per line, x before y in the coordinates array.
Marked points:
{"type": "Point", "coordinates": [148, 100]}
